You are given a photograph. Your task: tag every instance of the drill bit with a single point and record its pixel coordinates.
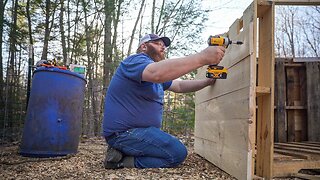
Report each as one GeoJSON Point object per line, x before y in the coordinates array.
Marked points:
{"type": "Point", "coordinates": [236, 42]}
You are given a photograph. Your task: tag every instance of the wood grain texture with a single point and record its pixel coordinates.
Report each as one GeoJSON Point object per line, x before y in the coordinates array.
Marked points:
{"type": "Point", "coordinates": [265, 120]}
{"type": "Point", "coordinates": [280, 119]}
{"type": "Point", "coordinates": [225, 112]}
{"type": "Point", "coordinates": [313, 100]}
{"type": "Point", "coordinates": [291, 2]}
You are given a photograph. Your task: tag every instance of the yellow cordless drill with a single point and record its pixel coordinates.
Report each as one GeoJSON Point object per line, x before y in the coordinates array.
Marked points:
{"type": "Point", "coordinates": [214, 71]}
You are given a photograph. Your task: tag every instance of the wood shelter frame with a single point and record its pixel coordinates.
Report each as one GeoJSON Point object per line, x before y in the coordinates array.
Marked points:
{"type": "Point", "coordinates": [234, 126]}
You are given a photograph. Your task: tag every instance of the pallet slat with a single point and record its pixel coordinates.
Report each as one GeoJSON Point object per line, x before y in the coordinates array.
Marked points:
{"type": "Point", "coordinates": [281, 157]}
{"type": "Point", "coordinates": [313, 75]}
{"type": "Point", "coordinates": [304, 155]}
{"type": "Point", "coordinates": [296, 145]}
{"type": "Point", "coordinates": [289, 168]}
{"type": "Point", "coordinates": [280, 118]}
{"type": "Point", "coordinates": [293, 154]}
{"type": "Point", "coordinates": [295, 149]}
{"type": "Point", "coordinates": [313, 144]}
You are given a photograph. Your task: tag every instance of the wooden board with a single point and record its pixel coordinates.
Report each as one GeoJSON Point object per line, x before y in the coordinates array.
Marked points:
{"type": "Point", "coordinates": [291, 85]}
{"type": "Point", "coordinates": [290, 2]}
{"type": "Point", "coordinates": [223, 137]}
{"type": "Point", "coordinates": [297, 2]}
{"type": "Point", "coordinates": [265, 115]}
{"type": "Point", "coordinates": [280, 96]}
{"type": "Point", "coordinates": [313, 100]}
{"type": "Point", "coordinates": [225, 112]}
{"type": "Point", "coordinates": [290, 158]}
{"type": "Point", "coordinates": [297, 119]}
{"type": "Point", "coordinates": [289, 168]}
{"type": "Point", "coordinates": [238, 78]}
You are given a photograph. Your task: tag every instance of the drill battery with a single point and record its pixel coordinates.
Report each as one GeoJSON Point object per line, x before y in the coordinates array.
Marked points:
{"type": "Point", "coordinates": [216, 72]}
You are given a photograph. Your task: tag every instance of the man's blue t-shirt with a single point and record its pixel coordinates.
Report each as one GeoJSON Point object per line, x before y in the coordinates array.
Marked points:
{"type": "Point", "coordinates": [131, 102]}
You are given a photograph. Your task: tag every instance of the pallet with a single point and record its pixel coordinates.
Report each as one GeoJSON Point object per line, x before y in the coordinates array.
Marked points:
{"type": "Point", "coordinates": [290, 158]}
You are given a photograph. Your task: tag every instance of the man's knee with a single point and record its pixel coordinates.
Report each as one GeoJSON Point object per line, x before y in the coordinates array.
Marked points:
{"type": "Point", "coordinates": [179, 153]}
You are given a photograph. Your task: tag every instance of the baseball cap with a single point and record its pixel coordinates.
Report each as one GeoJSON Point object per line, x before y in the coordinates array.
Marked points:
{"type": "Point", "coordinates": [153, 37]}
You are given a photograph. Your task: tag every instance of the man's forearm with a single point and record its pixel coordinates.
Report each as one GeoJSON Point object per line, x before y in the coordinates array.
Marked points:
{"type": "Point", "coordinates": [185, 86]}
{"type": "Point", "coordinates": [171, 68]}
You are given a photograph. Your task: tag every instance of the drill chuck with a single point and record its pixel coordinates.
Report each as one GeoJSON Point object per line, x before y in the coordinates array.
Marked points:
{"type": "Point", "coordinates": [221, 41]}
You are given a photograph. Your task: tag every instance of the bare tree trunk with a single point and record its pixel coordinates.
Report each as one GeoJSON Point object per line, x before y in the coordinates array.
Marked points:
{"type": "Point", "coordinates": [109, 47]}
{"type": "Point", "coordinates": [2, 8]}
{"type": "Point", "coordinates": [48, 27]}
{"type": "Point", "coordinates": [69, 31]}
{"type": "Point", "coordinates": [73, 58]}
{"type": "Point", "coordinates": [44, 55]}
{"type": "Point", "coordinates": [311, 30]}
{"type": "Point", "coordinates": [31, 55]}
{"type": "Point", "coordinates": [152, 15]}
{"type": "Point", "coordinates": [160, 16]}
{"type": "Point", "coordinates": [135, 26]}
{"type": "Point", "coordinates": [92, 108]}
{"type": "Point", "coordinates": [115, 32]}
{"type": "Point", "coordinates": [291, 36]}
{"type": "Point", "coordinates": [63, 38]}
{"type": "Point", "coordinates": [141, 23]}
{"type": "Point", "coordinates": [288, 29]}
{"type": "Point", "coordinates": [89, 72]}
{"type": "Point", "coordinates": [10, 89]}
{"type": "Point", "coordinates": [13, 37]}
{"type": "Point", "coordinates": [108, 10]}
{"type": "Point", "coordinates": [161, 29]}
{"type": "Point", "coordinates": [96, 90]}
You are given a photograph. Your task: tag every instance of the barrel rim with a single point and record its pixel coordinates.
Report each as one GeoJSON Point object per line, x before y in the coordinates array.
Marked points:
{"type": "Point", "coordinates": [55, 69]}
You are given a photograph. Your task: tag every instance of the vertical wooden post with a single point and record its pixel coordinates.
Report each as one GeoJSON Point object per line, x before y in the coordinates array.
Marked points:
{"type": "Point", "coordinates": [280, 124]}
{"type": "Point", "coordinates": [291, 97]}
{"type": "Point", "coordinates": [265, 129]}
{"type": "Point", "coordinates": [313, 88]}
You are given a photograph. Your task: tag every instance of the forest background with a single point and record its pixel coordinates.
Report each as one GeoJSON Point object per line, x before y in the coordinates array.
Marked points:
{"type": "Point", "coordinates": [100, 33]}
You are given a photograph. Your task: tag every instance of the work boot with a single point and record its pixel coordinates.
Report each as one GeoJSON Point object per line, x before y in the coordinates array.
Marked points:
{"type": "Point", "coordinates": [113, 155]}
{"type": "Point", "coordinates": [126, 162]}
{"type": "Point", "coordinates": [111, 165]}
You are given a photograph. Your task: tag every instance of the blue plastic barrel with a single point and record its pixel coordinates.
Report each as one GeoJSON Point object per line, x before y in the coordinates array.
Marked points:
{"type": "Point", "coordinates": [53, 122]}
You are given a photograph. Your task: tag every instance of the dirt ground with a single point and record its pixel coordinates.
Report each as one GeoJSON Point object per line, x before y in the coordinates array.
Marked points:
{"type": "Point", "coordinates": [88, 164]}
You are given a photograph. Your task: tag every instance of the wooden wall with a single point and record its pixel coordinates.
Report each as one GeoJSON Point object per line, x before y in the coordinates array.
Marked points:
{"type": "Point", "coordinates": [297, 100]}
{"type": "Point", "coordinates": [235, 119]}
{"type": "Point", "coordinates": [313, 100]}
{"type": "Point", "coordinates": [225, 112]}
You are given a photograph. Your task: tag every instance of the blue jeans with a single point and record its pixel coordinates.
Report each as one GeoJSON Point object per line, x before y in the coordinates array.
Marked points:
{"type": "Point", "coordinates": [151, 147]}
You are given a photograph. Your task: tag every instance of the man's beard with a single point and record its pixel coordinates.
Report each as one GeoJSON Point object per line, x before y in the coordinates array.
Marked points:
{"type": "Point", "coordinates": [152, 52]}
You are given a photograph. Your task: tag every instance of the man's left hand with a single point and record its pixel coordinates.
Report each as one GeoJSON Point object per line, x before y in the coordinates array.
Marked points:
{"type": "Point", "coordinates": [210, 81]}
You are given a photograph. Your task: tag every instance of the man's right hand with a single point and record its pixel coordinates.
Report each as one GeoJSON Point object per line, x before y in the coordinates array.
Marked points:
{"type": "Point", "coordinates": [212, 55]}
{"type": "Point", "coordinates": [170, 69]}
